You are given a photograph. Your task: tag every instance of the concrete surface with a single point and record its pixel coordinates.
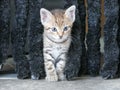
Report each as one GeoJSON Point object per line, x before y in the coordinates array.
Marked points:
{"type": "Point", "coordinates": [10, 82]}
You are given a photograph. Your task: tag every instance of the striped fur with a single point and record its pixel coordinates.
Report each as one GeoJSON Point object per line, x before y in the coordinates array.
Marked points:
{"type": "Point", "coordinates": [56, 41]}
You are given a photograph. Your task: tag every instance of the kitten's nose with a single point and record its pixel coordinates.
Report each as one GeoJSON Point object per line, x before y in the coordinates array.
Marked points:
{"type": "Point", "coordinates": [60, 37]}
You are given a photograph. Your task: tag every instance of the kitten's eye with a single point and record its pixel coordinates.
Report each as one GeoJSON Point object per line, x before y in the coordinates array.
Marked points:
{"type": "Point", "coordinates": [54, 29]}
{"type": "Point", "coordinates": [65, 28]}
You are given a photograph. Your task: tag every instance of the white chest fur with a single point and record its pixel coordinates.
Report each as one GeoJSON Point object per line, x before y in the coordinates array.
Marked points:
{"type": "Point", "coordinates": [55, 49]}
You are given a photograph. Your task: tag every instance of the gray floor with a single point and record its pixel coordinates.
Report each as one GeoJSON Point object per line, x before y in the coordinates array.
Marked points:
{"type": "Point", "coordinates": [10, 82]}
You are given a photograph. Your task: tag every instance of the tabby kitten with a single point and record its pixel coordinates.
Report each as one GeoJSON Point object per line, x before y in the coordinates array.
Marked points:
{"type": "Point", "coordinates": [56, 40]}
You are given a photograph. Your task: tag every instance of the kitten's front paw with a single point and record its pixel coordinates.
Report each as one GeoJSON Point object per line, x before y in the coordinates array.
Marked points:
{"type": "Point", "coordinates": [62, 78]}
{"type": "Point", "coordinates": [52, 78]}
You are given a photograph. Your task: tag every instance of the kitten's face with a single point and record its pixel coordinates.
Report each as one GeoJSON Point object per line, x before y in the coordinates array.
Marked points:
{"type": "Point", "coordinates": [58, 23]}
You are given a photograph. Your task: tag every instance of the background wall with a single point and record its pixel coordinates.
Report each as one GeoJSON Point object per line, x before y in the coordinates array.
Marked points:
{"type": "Point", "coordinates": [52, 4]}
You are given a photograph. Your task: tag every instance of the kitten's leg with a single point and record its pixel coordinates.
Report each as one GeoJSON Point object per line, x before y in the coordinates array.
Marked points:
{"type": "Point", "coordinates": [73, 63]}
{"type": "Point", "coordinates": [111, 50]}
{"type": "Point", "coordinates": [4, 30]}
{"type": "Point", "coordinates": [18, 39]}
{"type": "Point", "coordinates": [60, 65]}
{"type": "Point", "coordinates": [93, 36]}
{"type": "Point", "coordinates": [35, 40]}
{"type": "Point", "coordinates": [51, 74]}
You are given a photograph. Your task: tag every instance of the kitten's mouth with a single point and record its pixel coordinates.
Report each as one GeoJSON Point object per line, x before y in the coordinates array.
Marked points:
{"type": "Point", "coordinates": [58, 41]}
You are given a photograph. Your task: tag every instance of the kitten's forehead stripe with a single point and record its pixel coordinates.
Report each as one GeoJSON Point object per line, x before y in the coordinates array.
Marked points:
{"type": "Point", "coordinates": [59, 17]}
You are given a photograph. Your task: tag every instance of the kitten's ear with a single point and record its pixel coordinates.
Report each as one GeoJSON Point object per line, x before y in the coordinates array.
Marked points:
{"type": "Point", "coordinates": [45, 16]}
{"type": "Point", "coordinates": [70, 13]}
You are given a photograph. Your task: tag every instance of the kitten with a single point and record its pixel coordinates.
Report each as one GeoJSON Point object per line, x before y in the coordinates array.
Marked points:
{"type": "Point", "coordinates": [56, 40]}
